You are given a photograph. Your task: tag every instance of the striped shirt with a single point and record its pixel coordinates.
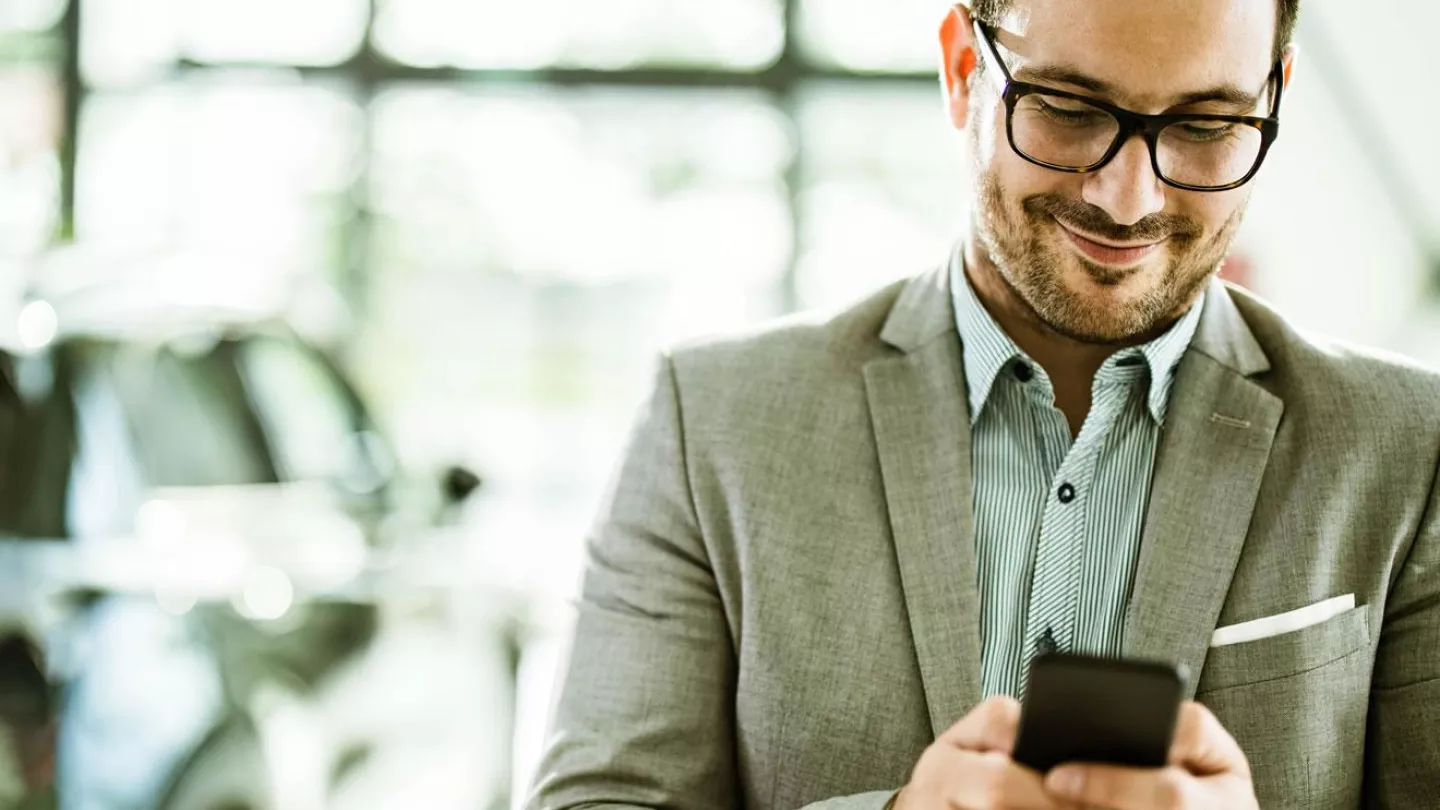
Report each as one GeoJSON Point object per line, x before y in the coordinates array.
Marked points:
{"type": "Point", "coordinates": [1057, 521]}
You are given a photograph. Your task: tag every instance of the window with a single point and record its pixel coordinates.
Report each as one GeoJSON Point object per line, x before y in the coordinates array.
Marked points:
{"type": "Point", "coordinates": [183, 165]}
{"type": "Point", "coordinates": [30, 16]}
{"type": "Point", "coordinates": [520, 202]}
{"type": "Point", "coordinates": [132, 41]}
{"type": "Point", "coordinates": [895, 36]}
{"type": "Point", "coordinates": [881, 191]}
{"type": "Point", "coordinates": [31, 125]}
{"type": "Point", "coordinates": [30, 128]}
{"type": "Point", "coordinates": [532, 247]}
{"type": "Point", "coordinates": [546, 33]}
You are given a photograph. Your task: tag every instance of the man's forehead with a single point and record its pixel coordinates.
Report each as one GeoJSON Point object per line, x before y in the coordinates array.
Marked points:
{"type": "Point", "coordinates": [1148, 50]}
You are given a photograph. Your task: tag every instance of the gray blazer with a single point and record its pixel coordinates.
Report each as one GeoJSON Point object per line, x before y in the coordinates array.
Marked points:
{"type": "Point", "coordinates": [780, 606]}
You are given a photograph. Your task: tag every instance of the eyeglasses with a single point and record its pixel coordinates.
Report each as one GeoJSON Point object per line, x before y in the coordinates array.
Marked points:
{"type": "Point", "coordinates": [1068, 132]}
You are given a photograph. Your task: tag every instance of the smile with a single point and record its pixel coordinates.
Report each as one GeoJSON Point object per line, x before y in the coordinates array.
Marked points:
{"type": "Point", "coordinates": [1109, 254]}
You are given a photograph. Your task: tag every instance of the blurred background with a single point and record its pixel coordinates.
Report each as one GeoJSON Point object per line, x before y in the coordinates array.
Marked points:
{"type": "Point", "coordinates": [323, 322]}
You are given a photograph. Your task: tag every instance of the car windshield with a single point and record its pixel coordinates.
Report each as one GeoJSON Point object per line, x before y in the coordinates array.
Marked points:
{"type": "Point", "coordinates": [315, 427]}
{"type": "Point", "coordinates": [87, 428]}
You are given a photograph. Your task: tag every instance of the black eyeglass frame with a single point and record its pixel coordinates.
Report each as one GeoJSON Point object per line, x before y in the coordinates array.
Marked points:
{"type": "Point", "coordinates": [1133, 123]}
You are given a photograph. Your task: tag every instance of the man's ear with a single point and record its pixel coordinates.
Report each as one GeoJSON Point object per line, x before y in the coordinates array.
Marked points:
{"type": "Point", "coordinates": [958, 59]}
{"type": "Point", "coordinates": [1288, 61]}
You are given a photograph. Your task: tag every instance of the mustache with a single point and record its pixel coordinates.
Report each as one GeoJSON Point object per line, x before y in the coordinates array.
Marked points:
{"type": "Point", "coordinates": [1083, 216]}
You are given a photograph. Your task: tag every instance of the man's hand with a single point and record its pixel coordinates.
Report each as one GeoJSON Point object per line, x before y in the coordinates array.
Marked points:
{"type": "Point", "coordinates": [969, 767]}
{"type": "Point", "coordinates": [1207, 770]}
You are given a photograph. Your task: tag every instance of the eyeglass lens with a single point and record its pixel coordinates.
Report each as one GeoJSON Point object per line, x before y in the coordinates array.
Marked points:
{"type": "Point", "coordinates": [1072, 134]}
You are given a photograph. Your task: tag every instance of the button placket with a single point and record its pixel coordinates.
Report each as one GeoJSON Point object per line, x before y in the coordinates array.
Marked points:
{"type": "Point", "coordinates": [1054, 588]}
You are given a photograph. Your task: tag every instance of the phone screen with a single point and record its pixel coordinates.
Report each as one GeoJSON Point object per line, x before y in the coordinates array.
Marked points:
{"type": "Point", "coordinates": [1081, 708]}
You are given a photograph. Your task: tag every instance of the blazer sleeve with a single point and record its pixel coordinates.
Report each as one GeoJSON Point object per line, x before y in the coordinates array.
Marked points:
{"type": "Point", "coordinates": [1403, 736]}
{"type": "Point", "coordinates": [644, 714]}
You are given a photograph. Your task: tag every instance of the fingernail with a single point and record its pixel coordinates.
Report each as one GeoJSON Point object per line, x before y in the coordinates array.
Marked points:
{"type": "Point", "coordinates": [1067, 782]}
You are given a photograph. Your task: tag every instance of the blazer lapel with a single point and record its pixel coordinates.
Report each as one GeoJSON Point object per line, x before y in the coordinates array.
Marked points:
{"type": "Point", "coordinates": [918, 411]}
{"type": "Point", "coordinates": [1213, 450]}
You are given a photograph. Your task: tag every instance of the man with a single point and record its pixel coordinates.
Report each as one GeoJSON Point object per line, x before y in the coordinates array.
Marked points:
{"type": "Point", "coordinates": [837, 543]}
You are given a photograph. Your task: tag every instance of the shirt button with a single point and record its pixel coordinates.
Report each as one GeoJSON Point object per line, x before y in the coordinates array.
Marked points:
{"type": "Point", "coordinates": [1066, 493]}
{"type": "Point", "coordinates": [1047, 643]}
{"type": "Point", "coordinates": [1022, 372]}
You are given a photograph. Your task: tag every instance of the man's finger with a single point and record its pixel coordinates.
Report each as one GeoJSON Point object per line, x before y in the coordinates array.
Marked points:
{"type": "Point", "coordinates": [1116, 788]}
{"type": "Point", "coordinates": [990, 726]}
{"type": "Point", "coordinates": [1203, 747]}
{"type": "Point", "coordinates": [991, 779]}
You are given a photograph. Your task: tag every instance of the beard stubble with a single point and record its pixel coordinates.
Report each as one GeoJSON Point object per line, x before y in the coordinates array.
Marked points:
{"type": "Point", "coordinates": [1032, 266]}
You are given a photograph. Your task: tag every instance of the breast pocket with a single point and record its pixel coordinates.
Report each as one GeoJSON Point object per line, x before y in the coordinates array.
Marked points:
{"type": "Point", "coordinates": [1287, 654]}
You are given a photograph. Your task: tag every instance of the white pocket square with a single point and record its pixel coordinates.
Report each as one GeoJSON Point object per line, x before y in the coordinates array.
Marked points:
{"type": "Point", "coordinates": [1279, 624]}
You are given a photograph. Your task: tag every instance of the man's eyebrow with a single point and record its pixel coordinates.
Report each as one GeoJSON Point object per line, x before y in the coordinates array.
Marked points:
{"type": "Point", "coordinates": [1048, 74]}
{"type": "Point", "coordinates": [1052, 74]}
{"type": "Point", "coordinates": [1226, 94]}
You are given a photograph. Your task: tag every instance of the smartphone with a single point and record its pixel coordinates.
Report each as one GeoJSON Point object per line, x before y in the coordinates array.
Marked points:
{"type": "Point", "coordinates": [1081, 708]}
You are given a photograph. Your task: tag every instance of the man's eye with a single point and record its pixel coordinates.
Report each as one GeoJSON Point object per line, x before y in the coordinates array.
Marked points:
{"type": "Point", "coordinates": [1067, 112]}
{"type": "Point", "coordinates": [1207, 130]}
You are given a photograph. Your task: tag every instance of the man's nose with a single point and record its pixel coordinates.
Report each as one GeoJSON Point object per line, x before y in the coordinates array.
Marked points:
{"type": "Point", "coordinates": [1127, 187]}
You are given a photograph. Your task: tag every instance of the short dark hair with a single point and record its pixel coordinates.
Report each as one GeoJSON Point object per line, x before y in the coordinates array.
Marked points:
{"type": "Point", "coordinates": [990, 12]}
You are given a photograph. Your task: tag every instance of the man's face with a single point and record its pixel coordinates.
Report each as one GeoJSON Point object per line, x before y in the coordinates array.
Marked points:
{"type": "Point", "coordinates": [1112, 255]}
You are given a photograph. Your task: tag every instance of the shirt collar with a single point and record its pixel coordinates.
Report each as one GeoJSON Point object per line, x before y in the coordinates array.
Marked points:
{"type": "Point", "coordinates": [988, 349]}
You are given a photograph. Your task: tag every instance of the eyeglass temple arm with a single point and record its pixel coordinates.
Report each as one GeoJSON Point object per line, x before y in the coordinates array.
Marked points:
{"type": "Point", "coordinates": [1279, 76]}
{"type": "Point", "coordinates": [983, 35]}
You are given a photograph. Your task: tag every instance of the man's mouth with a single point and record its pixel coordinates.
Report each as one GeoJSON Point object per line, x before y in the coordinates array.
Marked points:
{"type": "Point", "coordinates": [1112, 254]}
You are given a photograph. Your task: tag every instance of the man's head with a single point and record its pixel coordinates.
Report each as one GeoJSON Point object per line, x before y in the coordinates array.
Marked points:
{"type": "Point", "coordinates": [1111, 254]}
{"type": "Point", "coordinates": [1287, 12]}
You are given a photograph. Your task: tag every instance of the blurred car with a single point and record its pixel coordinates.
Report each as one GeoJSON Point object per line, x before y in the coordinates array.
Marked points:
{"type": "Point", "coordinates": [204, 526]}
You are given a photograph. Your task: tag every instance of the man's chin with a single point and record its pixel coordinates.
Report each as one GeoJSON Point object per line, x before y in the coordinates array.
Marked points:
{"type": "Point", "coordinates": [1084, 275]}
{"type": "Point", "coordinates": [1094, 302]}
{"type": "Point", "coordinates": [1084, 323]}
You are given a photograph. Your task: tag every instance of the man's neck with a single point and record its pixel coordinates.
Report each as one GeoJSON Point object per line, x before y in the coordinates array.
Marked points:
{"type": "Point", "coordinates": [1070, 364]}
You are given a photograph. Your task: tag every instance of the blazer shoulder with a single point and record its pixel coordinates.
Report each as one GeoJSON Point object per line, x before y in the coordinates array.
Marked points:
{"type": "Point", "coordinates": [795, 347]}
{"type": "Point", "coordinates": [1367, 384]}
